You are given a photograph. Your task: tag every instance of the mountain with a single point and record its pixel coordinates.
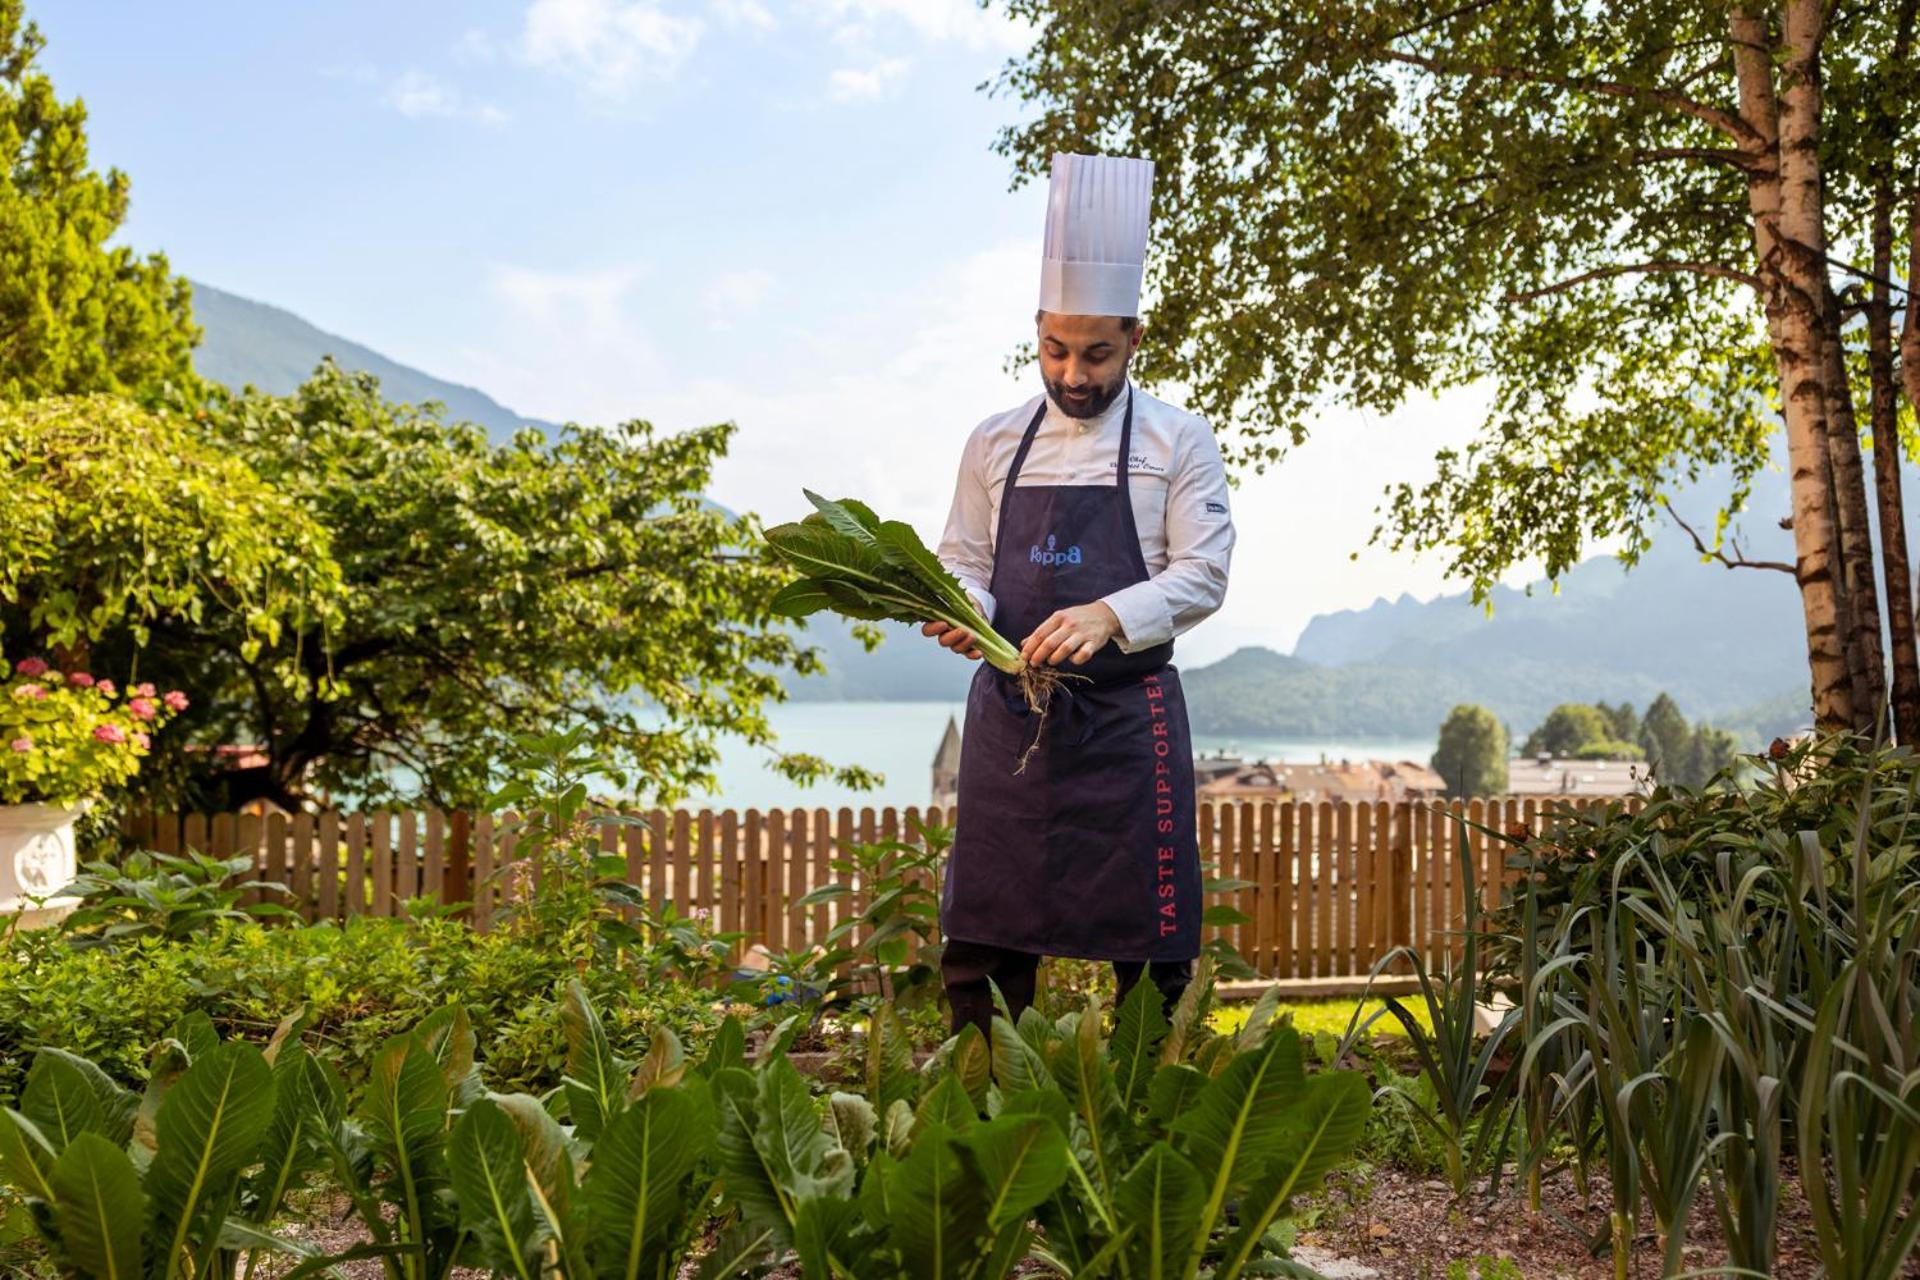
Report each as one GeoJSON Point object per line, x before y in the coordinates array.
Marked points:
{"type": "Point", "coordinates": [247, 343]}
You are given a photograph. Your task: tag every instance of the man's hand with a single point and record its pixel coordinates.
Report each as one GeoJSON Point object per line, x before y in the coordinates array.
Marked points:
{"type": "Point", "coordinates": [957, 638]}
{"type": "Point", "coordinates": [1072, 635]}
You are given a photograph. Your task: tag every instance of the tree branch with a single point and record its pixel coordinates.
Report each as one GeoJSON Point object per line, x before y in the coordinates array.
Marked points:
{"type": "Point", "coordinates": [1725, 121]}
{"type": "Point", "coordinates": [1737, 560]}
{"type": "Point", "coordinates": [1637, 268]}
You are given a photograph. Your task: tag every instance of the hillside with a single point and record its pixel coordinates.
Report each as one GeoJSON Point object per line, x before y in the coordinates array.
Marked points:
{"type": "Point", "coordinates": [247, 343]}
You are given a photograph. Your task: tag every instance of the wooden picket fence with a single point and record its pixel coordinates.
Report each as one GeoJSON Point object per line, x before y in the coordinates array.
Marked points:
{"type": "Point", "coordinates": [1331, 886]}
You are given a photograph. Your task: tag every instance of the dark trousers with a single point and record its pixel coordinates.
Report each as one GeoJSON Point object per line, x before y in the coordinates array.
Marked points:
{"type": "Point", "coordinates": [967, 969]}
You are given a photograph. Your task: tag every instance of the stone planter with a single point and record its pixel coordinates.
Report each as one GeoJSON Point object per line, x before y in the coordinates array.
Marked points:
{"type": "Point", "coordinates": [36, 860]}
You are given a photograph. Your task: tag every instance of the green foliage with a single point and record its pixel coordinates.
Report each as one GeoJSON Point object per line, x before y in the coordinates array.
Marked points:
{"type": "Point", "coordinates": [77, 314]}
{"type": "Point", "coordinates": [1568, 728]}
{"type": "Point", "coordinates": [862, 567]}
{"type": "Point", "coordinates": [1665, 737]}
{"type": "Point", "coordinates": [356, 985]}
{"type": "Point", "coordinates": [119, 1188]}
{"type": "Point", "coordinates": [578, 581]}
{"type": "Point", "coordinates": [1472, 753]}
{"type": "Point", "coordinates": [1715, 976]}
{"type": "Point", "coordinates": [68, 737]}
{"type": "Point", "coordinates": [124, 522]}
{"type": "Point", "coordinates": [164, 896]}
{"type": "Point", "coordinates": [1431, 188]}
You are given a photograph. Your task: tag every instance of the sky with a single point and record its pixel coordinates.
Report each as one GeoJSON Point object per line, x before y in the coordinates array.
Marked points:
{"type": "Point", "coordinates": [780, 213]}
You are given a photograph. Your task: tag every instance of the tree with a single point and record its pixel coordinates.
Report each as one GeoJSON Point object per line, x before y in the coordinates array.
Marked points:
{"type": "Point", "coordinates": [1626, 725]}
{"type": "Point", "coordinates": [1472, 752]}
{"type": "Point", "coordinates": [118, 520]}
{"type": "Point", "coordinates": [488, 592]}
{"type": "Point", "coordinates": [1567, 729]}
{"type": "Point", "coordinates": [76, 315]}
{"type": "Point", "coordinates": [1708, 752]}
{"type": "Point", "coordinates": [1632, 223]}
{"type": "Point", "coordinates": [1667, 739]}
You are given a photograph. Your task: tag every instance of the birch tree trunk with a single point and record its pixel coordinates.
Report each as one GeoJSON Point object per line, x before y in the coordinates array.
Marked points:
{"type": "Point", "coordinates": [1859, 594]}
{"type": "Point", "coordinates": [1784, 195]}
{"type": "Point", "coordinates": [1883, 411]}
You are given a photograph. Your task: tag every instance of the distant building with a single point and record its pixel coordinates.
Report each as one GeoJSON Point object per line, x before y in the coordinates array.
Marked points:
{"type": "Point", "coordinates": [1348, 780]}
{"type": "Point", "coordinates": [946, 768]}
{"type": "Point", "coordinates": [1550, 776]}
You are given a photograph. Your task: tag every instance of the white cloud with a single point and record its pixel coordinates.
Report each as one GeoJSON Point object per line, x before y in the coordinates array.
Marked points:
{"type": "Point", "coordinates": [607, 46]}
{"type": "Point", "coordinates": [736, 295]}
{"type": "Point", "coordinates": [419, 95]}
{"type": "Point", "coordinates": [745, 13]}
{"type": "Point", "coordinates": [936, 21]}
{"type": "Point", "coordinates": [476, 47]}
{"type": "Point", "coordinates": [855, 84]}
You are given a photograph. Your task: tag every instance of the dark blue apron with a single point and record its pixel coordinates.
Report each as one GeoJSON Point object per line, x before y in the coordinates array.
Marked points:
{"type": "Point", "coordinates": [1089, 851]}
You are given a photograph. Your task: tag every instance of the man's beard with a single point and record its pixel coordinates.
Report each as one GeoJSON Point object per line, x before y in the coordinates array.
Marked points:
{"type": "Point", "coordinates": [1099, 398]}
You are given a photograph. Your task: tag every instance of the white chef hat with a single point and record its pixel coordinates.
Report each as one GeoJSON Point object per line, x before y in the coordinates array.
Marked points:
{"type": "Point", "coordinates": [1096, 246]}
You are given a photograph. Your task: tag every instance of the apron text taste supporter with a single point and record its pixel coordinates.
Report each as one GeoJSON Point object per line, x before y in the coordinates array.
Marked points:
{"type": "Point", "coordinates": [1090, 851]}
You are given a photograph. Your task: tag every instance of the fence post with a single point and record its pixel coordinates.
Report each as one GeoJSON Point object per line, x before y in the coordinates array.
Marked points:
{"type": "Point", "coordinates": [1401, 875]}
{"type": "Point", "coordinates": [457, 878]}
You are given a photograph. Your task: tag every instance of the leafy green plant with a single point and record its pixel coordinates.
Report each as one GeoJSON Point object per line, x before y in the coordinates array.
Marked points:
{"type": "Point", "coordinates": [181, 1182]}
{"type": "Point", "coordinates": [862, 567]}
{"type": "Point", "coordinates": [163, 895]}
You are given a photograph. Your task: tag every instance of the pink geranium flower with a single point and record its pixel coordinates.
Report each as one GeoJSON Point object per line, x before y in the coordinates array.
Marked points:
{"type": "Point", "coordinates": [106, 687]}
{"type": "Point", "coordinates": [81, 680]}
{"type": "Point", "coordinates": [31, 667]}
{"type": "Point", "coordinates": [141, 740]}
{"type": "Point", "coordinates": [175, 700]}
{"type": "Point", "coordinates": [29, 692]}
{"type": "Point", "coordinates": [23, 744]}
{"type": "Point", "coordinates": [109, 733]}
{"type": "Point", "coordinates": [143, 690]}
{"type": "Point", "coordinates": [142, 708]}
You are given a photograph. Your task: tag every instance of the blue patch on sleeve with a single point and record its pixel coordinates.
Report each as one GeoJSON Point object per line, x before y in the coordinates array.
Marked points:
{"type": "Point", "coordinates": [1216, 508]}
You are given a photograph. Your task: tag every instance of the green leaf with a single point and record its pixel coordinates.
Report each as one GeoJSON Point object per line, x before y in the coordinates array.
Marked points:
{"type": "Point", "coordinates": [846, 516]}
{"type": "Point", "coordinates": [728, 1048]}
{"type": "Point", "coordinates": [26, 1157]}
{"type": "Point", "coordinates": [937, 1208]}
{"type": "Point", "coordinates": [1321, 1134]}
{"type": "Point", "coordinates": [946, 1105]}
{"type": "Point", "coordinates": [100, 1209]}
{"type": "Point", "coordinates": [801, 598]}
{"type": "Point", "coordinates": [1020, 1161]}
{"type": "Point", "coordinates": [1161, 1198]}
{"type": "Point", "coordinates": [305, 1109]}
{"type": "Point", "coordinates": [638, 1188]}
{"type": "Point", "coordinates": [488, 1171]}
{"type": "Point", "coordinates": [1172, 1091]}
{"type": "Point", "coordinates": [447, 1035]}
{"type": "Point", "coordinates": [209, 1128]}
{"type": "Point", "coordinates": [1133, 1050]}
{"type": "Point", "coordinates": [1016, 1063]}
{"type": "Point", "coordinates": [972, 1065]}
{"type": "Point", "coordinates": [405, 1111]}
{"type": "Point", "coordinates": [65, 1096]}
{"type": "Point", "coordinates": [594, 1081]}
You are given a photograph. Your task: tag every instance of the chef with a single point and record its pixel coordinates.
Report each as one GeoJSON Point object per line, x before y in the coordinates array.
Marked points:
{"type": "Point", "coordinates": [1092, 524]}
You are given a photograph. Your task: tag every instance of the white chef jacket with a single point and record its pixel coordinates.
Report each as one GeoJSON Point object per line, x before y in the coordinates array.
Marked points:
{"type": "Point", "coordinates": [1176, 480]}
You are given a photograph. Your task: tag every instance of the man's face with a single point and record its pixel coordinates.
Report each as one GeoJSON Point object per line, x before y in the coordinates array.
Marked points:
{"type": "Point", "coordinates": [1083, 360]}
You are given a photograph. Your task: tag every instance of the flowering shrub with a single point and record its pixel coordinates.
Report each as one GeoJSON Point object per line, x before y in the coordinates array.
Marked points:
{"type": "Point", "coordinates": [66, 736]}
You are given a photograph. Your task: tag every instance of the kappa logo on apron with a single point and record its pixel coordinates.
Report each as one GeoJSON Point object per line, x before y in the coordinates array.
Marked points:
{"type": "Point", "coordinates": [1091, 852]}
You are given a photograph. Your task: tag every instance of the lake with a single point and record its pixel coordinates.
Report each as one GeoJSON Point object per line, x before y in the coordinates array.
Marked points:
{"type": "Point", "coordinates": [899, 739]}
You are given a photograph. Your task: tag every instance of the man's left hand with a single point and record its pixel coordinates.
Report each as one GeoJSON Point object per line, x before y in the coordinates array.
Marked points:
{"type": "Point", "coordinates": [1071, 635]}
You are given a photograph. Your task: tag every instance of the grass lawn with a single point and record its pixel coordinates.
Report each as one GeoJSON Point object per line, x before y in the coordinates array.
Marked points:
{"type": "Point", "coordinates": [1315, 1016]}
